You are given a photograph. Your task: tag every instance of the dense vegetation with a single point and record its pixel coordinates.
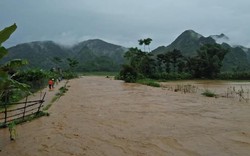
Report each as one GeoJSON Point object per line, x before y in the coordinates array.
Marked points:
{"type": "Point", "coordinates": [206, 64]}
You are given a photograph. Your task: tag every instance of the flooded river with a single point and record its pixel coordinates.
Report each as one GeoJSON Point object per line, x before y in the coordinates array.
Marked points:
{"type": "Point", "coordinates": [102, 116]}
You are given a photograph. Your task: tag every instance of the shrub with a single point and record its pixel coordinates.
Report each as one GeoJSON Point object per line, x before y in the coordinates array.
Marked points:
{"type": "Point", "coordinates": [172, 76]}
{"type": "Point", "coordinates": [234, 76]}
{"type": "Point", "coordinates": [208, 93]}
{"type": "Point", "coordinates": [128, 74]}
{"type": "Point", "coordinates": [148, 82]}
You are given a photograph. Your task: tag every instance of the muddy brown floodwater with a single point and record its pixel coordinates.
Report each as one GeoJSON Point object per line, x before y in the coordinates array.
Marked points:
{"type": "Point", "coordinates": [101, 116]}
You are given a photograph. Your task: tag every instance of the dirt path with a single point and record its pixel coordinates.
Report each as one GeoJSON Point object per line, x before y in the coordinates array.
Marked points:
{"type": "Point", "coordinates": [49, 93]}
{"type": "Point", "coordinates": [46, 93]}
{"type": "Point", "coordinates": [100, 116]}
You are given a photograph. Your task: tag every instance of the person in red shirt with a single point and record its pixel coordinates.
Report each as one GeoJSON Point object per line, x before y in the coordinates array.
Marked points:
{"type": "Point", "coordinates": [51, 83]}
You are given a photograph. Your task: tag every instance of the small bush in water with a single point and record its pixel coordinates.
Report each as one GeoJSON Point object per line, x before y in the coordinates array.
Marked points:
{"type": "Point", "coordinates": [208, 93]}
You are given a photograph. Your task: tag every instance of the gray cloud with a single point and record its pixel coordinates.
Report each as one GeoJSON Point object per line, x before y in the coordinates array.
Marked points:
{"type": "Point", "coordinates": [124, 21]}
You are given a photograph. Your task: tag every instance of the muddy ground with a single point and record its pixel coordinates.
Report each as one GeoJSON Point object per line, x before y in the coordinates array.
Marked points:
{"type": "Point", "coordinates": [102, 116]}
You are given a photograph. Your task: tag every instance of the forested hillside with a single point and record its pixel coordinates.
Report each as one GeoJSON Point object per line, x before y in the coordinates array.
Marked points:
{"type": "Point", "coordinates": [91, 55]}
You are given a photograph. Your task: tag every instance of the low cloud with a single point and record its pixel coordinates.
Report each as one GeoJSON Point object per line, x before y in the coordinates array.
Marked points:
{"type": "Point", "coordinates": [123, 22]}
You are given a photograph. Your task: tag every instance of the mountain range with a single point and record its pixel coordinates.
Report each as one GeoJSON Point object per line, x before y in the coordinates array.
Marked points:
{"type": "Point", "coordinates": [238, 57]}
{"type": "Point", "coordinates": [92, 55]}
{"type": "Point", "coordinates": [98, 55]}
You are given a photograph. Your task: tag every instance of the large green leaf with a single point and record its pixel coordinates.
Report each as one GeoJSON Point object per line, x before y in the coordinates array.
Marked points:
{"type": "Point", "coordinates": [21, 86]}
{"type": "Point", "coordinates": [6, 32]}
{"type": "Point", "coordinates": [7, 82]}
{"type": "Point", "coordinates": [3, 52]}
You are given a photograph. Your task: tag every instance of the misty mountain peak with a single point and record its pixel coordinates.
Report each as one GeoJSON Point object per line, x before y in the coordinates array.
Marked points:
{"type": "Point", "coordinates": [188, 42]}
{"type": "Point", "coordinates": [99, 47]}
{"type": "Point", "coordinates": [191, 33]}
{"type": "Point", "coordinates": [223, 36]}
{"type": "Point", "coordinates": [220, 38]}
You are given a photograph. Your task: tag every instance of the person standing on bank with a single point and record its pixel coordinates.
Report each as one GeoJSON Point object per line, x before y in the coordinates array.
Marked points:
{"type": "Point", "coordinates": [51, 83]}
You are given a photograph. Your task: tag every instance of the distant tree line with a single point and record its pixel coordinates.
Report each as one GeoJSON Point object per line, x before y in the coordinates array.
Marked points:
{"type": "Point", "coordinates": [172, 64]}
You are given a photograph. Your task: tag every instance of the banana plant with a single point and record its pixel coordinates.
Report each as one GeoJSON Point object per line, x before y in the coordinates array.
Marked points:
{"type": "Point", "coordinates": [7, 84]}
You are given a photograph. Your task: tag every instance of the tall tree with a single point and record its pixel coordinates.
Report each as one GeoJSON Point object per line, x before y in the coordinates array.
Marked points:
{"type": "Point", "coordinates": [133, 57]}
{"type": "Point", "coordinates": [181, 66]}
{"type": "Point", "coordinates": [209, 60]}
{"type": "Point", "coordinates": [140, 61]}
{"type": "Point", "coordinates": [141, 43]}
{"type": "Point", "coordinates": [129, 71]}
{"type": "Point", "coordinates": [160, 60]}
{"type": "Point", "coordinates": [147, 65]}
{"type": "Point", "coordinates": [167, 62]}
{"type": "Point", "coordinates": [145, 42]}
{"type": "Point", "coordinates": [175, 57]}
{"type": "Point", "coordinates": [188, 64]}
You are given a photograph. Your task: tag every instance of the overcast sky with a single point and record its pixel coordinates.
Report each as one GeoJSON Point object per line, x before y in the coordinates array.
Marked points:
{"type": "Point", "coordinates": [123, 22]}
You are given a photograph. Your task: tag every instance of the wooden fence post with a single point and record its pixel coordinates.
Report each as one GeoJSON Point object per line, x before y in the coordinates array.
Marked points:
{"type": "Point", "coordinates": [5, 106]}
{"type": "Point", "coordinates": [41, 102]}
{"type": "Point", "coordinates": [5, 113]}
{"type": "Point", "coordinates": [25, 107]}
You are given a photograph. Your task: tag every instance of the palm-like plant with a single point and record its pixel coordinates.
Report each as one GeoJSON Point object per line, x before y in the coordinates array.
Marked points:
{"type": "Point", "coordinates": [141, 42]}
{"type": "Point", "coordinates": [7, 84]}
{"type": "Point", "coordinates": [145, 42]}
